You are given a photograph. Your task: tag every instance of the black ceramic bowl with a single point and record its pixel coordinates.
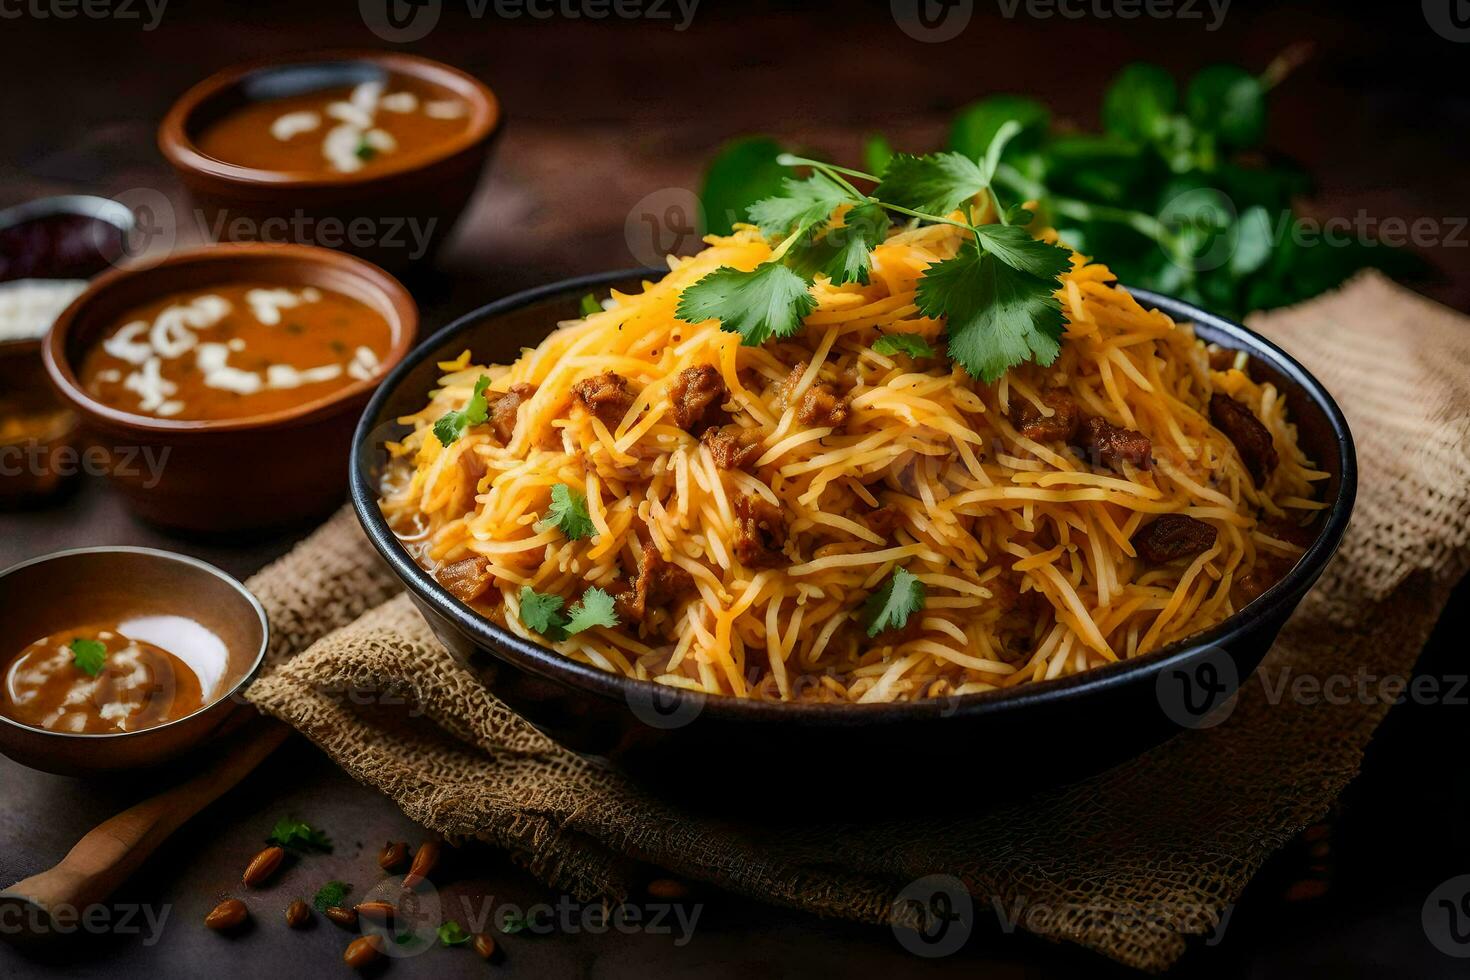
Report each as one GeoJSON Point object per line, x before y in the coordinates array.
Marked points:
{"type": "Point", "coordinates": [722, 750]}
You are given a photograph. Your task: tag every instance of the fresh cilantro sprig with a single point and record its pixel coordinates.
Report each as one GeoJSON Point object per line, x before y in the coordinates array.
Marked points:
{"type": "Point", "coordinates": [451, 425]}
{"type": "Point", "coordinates": [330, 895]}
{"type": "Point", "coordinates": [911, 344]}
{"type": "Point", "coordinates": [297, 834]}
{"type": "Point", "coordinates": [568, 511]}
{"type": "Point", "coordinates": [88, 656]}
{"type": "Point", "coordinates": [451, 933]}
{"type": "Point", "coordinates": [995, 295]}
{"type": "Point", "coordinates": [590, 305]}
{"type": "Point", "coordinates": [542, 612]}
{"type": "Point", "coordinates": [898, 598]}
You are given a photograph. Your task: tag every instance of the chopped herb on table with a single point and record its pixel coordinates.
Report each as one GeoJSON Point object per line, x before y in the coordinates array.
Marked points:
{"type": "Point", "coordinates": [331, 895]}
{"type": "Point", "coordinates": [452, 933]}
{"type": "Point", "coordinates": [300, 835]}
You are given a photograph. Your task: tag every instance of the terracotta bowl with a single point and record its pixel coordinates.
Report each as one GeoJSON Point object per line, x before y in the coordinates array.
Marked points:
{"type": "Point", "coordinates": [39, 462]}
{"type": "Point", "coordinates": [307, 207]}
{"type": "Point", "coordinates": [226, 475]}
{"type": "Point", "coordinates": [870, 755]}
{"type": "Point", "coordinates": [50, 594]}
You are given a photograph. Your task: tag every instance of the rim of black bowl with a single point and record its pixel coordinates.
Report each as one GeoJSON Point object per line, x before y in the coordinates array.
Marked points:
{"type": "Point", "coordinates": [545, 661]}
{"type": "Point", "coordinates": [219, 573]}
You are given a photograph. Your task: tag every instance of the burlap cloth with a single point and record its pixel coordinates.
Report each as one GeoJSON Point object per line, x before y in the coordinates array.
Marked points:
{"type": "Point", "coordinates": [1130, 863]}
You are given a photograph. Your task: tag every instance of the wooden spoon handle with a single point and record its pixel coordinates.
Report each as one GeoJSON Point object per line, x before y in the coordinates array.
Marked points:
{"type": "Point", "coordinates": [113, 850]}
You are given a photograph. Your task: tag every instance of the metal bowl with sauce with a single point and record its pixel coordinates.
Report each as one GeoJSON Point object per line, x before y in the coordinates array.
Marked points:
{"type": "Point", "coordinates": [203, 620]}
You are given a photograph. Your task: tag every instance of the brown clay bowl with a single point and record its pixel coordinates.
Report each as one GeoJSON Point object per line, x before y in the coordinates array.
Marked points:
{"type": "Point", "coordinates": [248, 204]}
{"type": "Point", "coordinates": [38, 461]}
{"type": "Point", "coordinates": [228, 475]}
{"type": "Point", "coordinates": [53, 593]}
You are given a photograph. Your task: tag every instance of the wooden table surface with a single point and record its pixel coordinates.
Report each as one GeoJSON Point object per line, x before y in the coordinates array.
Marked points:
{"type": "Point", "coordinates": [610, 121]}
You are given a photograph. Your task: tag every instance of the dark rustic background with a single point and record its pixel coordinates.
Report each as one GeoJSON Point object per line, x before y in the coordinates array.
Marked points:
{"type": "Point", "coordinates": [609, 123]}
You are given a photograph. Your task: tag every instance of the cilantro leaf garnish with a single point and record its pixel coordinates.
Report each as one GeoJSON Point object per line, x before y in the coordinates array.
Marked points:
{"type": "Point", "coordinates": [937, 183]}
{"type": "Point", "coordinates": [407, 939]}
{"type": "Point", "coordinates": [541, 612]}
{"type": "Point", "coordinates": [88, 656]}
{"type": "Point", "coordinates": [452, 933]}
{"type": "Point", "coordinates": [451, 425]}
{"type": "Point", "coordinates": [997, 316]}
{"type": "Point", "coordinates": [290, 832]}
{"type": "Point", "coordinates": [595, 609]}
{"type": "Point", "coordinates": [845, 253]}
{"type": "Point", "coordinates": [1021, 252]}
{"type": "Point", "coordinates": [896, 600]}
{"type": "Point", "coordinates": [769, 300]}
{"type": "Point", "coordinates": [514, 922]}
{"type": "Point", "coordinates": [330, 895]}
{"type": "Point", "coordinates": [365, 150]}
{"type": "Point", "coordinates": [911, 344]}
{"type": "Point", "coordinates": [568, 511]}
{"type": "Point", "coordinates": [802, 203]}
{"type": "Point", "coordinates": [590, 305]}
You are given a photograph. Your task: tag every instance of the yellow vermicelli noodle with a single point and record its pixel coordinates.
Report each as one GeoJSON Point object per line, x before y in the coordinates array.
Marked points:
{"type": "Point", "coordinates": [1023, 547]}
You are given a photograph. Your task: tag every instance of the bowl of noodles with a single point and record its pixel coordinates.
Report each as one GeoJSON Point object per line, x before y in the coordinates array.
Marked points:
{"type": "Point", "coordinates": [837, 563]}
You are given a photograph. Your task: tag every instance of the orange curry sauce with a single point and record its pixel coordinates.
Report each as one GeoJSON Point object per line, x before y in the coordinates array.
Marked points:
{"type": "Point", "coordinates": [234, 351]}
{"type": "Point", "coordinates": [114, 677]}
{"type": "Point", "coordinates": [338, 130]}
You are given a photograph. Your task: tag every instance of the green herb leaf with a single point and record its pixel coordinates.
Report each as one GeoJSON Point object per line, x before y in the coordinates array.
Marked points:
{"type": "Point", "coordinates": [452, 933]}
{"type": "Point", "coordinates": [1138, 102]}
{"type": "Point", "coordinates": [407, 939]}
{"type": "Point", "coordinates": [877, 151]}
{"type": "Point", "coordinates": [844, 253]}
{"type": "Point", "coordinates": [801, 204]}
{"type": "Point", "coordinates": [912, 344]}
{"type": "Point", "coordinates": [568, 511]}
{"type": "Point", "coordinates": [514, 922]}
{"type": "Point", "coordinates": [330, 895]}
{"type": "Point", "coordinates": [743, 172]}
{"type": "Point", "coordinates": [595, 609]}
{"type": "Point", "coordinates": [896, 600]}
{"type": "Point", "coordinates": [451, 425]}
{"type": "Point", "coordinates": [997, 317]}
{"type": "Point", "coordinates": [590, 305]}
{"type": "Point", "coordinates": [771, 300]}
{"type": "Point", "coordinates": [542, 612]}
{"type": "Point", "coordinates": [300, 835]}
{"type": "Point", "coordinates": [936, 184]}
{"type": "Point", "coordinates": [365, 150]}
{"type": "Point", "coordinates": [1019, 214]}
{"type": "Point", "coordinates": [1229, 102]}
{"type": "Point", "coordinates": [975, 127]}
{"type": "Point", "coordinates": [1017, 249]}
{"type": "Point", "coordinates": [88, 656]}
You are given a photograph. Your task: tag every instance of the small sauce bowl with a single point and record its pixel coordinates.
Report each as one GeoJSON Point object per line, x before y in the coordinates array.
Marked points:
{"type": "Point", "coordinates": [365, 212]}
{"type": "Point", "coordinates": [61, 592]}
{"type": "Point", "coordinates": [222, 476]}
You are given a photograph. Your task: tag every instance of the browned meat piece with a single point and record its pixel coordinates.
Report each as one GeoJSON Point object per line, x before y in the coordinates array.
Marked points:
{"type": "Point", "coordinates": [658, 582]}
{"type": "Point", "coordinates": [1112, 445]}
{"type": "Point", "coordinates": [466, 579]}
{"type": "Point", "coordinates": [1221, 359]}
{"type": "Point", "coordinates": [822, 406]}
{"type": "Point", "coordinates": [734, 448]}
{"type": "Point", "coordinates": [1170, 537]}
{"type": "Point", "coordinates": [696, 395]}
{"type": "Point", "coordinates": [605, 395]}
{"type": "Point", "coordinates": [760, 530]}
{"type": "Point", "coordinates": [1252, 439]}
{"type": "Point", "coordinates": [1061, 424]}
{"type": "Point", "coordinates": [503, 410]}
{"type": "Point", "coordinates": [881, 521]}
